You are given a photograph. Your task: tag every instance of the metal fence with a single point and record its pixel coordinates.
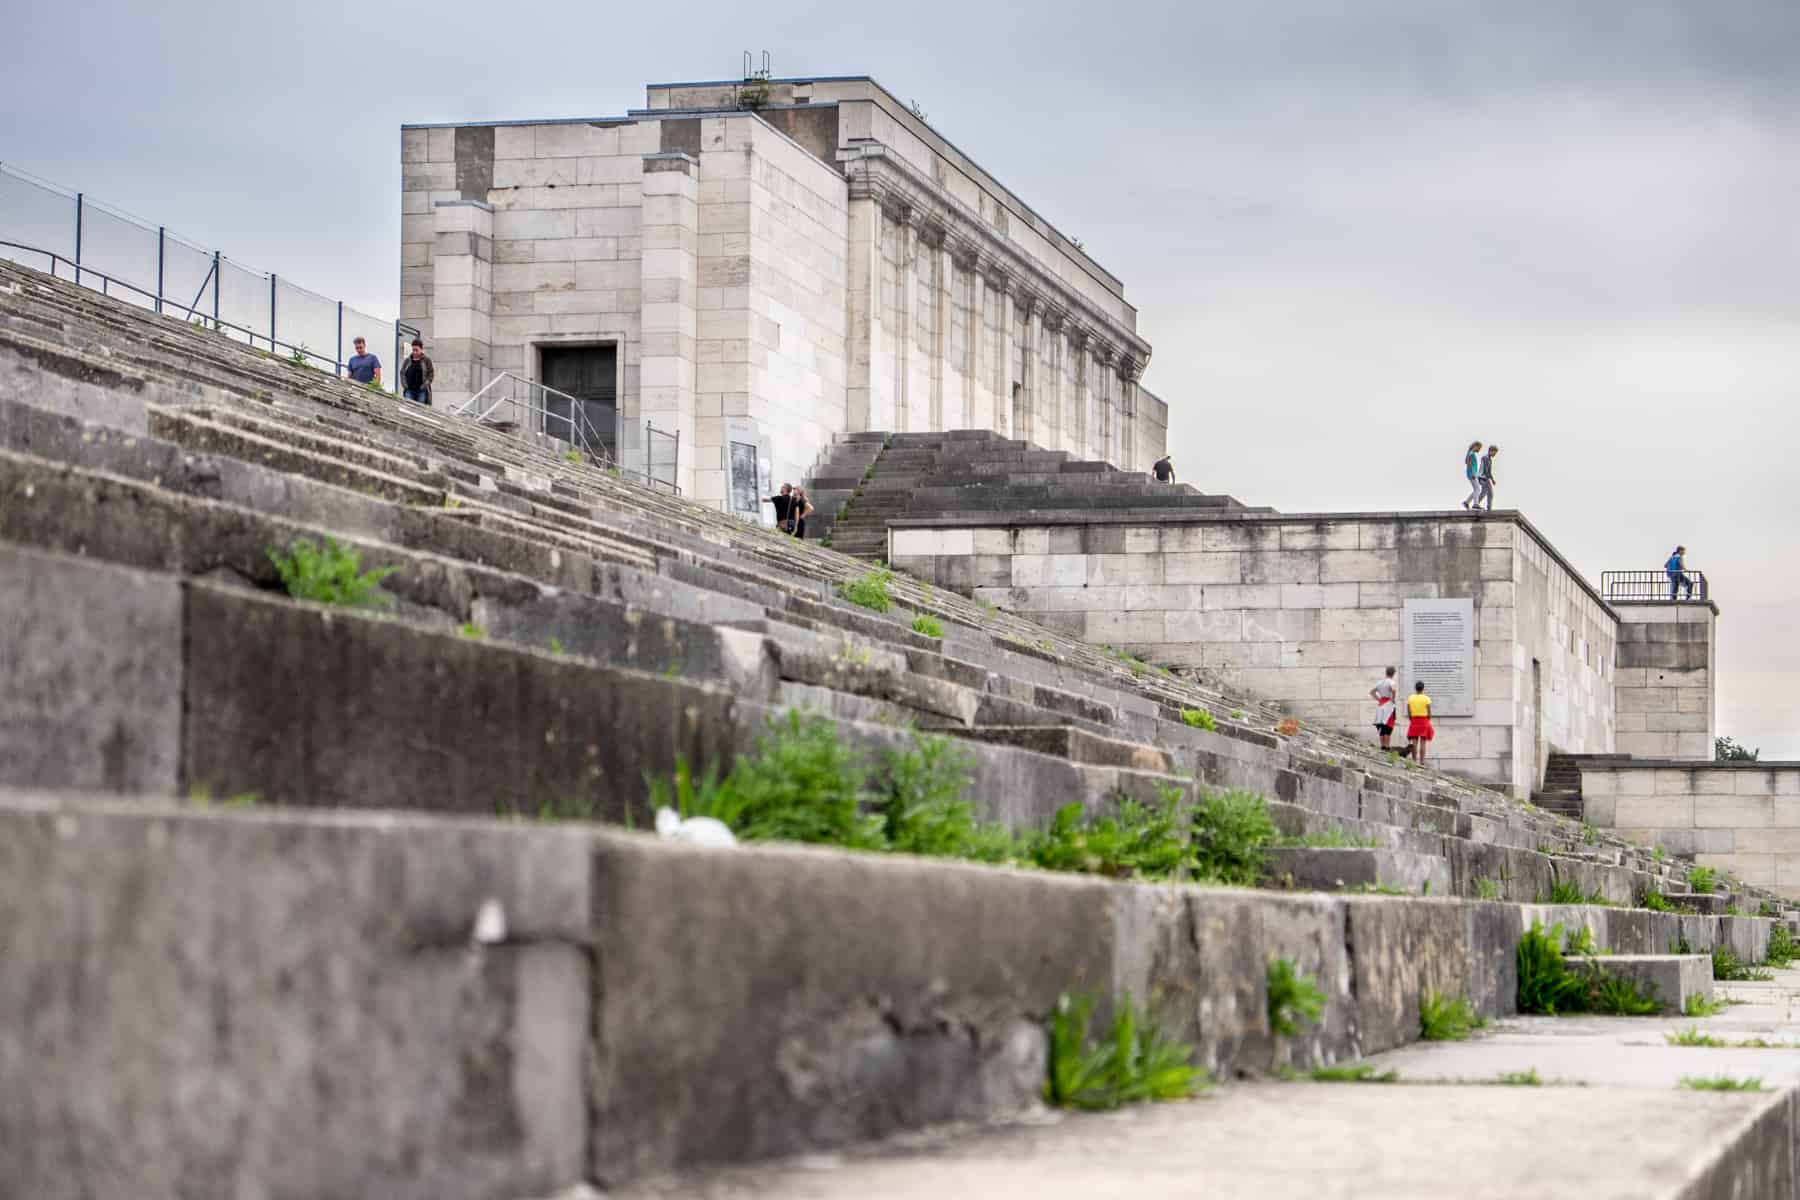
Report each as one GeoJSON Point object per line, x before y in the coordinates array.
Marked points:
{"type": "Point", "coordinates": [661, 451]}
{"type": "Point", "coordinates": [1640, 586]}
{"type": "Point", "coordinates": [74, 237]}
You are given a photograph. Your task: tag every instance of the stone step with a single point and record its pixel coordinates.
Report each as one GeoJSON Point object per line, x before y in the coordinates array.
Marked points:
{"type": "Point", "coordinates": [1076, 745]}
{"type": "Point", "coordinates": [1674, 980]}
{"type": "Point", "coordinates": [1337, 870]}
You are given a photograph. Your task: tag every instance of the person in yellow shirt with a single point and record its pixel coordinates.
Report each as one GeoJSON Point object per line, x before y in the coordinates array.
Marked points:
{"type": "Point", "coordinates": [1418, 728]}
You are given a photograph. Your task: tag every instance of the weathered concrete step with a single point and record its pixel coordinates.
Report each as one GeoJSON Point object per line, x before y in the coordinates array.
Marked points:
{"type": "Point", "coordinates": [1076, 745]}
{"type": "Point", "coordinates": [913, 991]}
{"type": "Point", "coordinates": [1336, 870]}
{"type": "Point", "coordinates": [1405, 1143]}
{"type": "Point", "coordinates": [1673, 980]}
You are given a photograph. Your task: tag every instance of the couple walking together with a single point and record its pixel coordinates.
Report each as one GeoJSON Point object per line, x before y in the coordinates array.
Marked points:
{"type": "Point", "coordinates": [1479, 468]}
{"type": "Point", "coordinates": [1386, 695]}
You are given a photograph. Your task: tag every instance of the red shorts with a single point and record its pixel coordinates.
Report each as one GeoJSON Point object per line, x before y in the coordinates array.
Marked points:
{"type": "Point", "coordinates": [1418, 729]}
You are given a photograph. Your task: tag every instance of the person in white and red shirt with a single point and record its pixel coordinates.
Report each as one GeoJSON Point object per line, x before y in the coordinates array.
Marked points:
{"type": "Point", "coordinates": [1384, 694]}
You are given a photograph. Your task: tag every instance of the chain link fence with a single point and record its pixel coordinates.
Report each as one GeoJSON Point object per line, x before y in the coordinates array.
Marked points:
{"type": "Point", "coordinates": [76, 238]}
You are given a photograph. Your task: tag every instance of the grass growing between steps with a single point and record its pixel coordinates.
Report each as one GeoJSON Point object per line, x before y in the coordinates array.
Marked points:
{"type": "Point", "coordinates": [1133, 1061]}
{"type": "Point", "coordinates": [1199, 718]}
{"type": "Point", "coordinates": [1549, 987]}
{"type": "Point", "coordinates": [931, 627]}
{"type": "Point", "coordinates": [1526, 1078]}
{"type": "Point", "coordinates": [1332, 839]}
{"type": "Point", "coordinates": [1447, 1018]}
{"type": "Point", "coordinates": [1293, 998]}
{"type": "Point", "coordinates": [1701, 1006]}
{"type": "Point", "coordinates": [869, 590]}
{"type": "Point", "coordinates": [1727, 967]}
{"type": "Point", "coordinates": [1782, 949]}
{"type": "Point", "coordinates": [330, 574]}
{"type": "Point", "coordinates": [1702, 879]}
{"type": "Point", "coordinates": [1353, 1073]}
{"type": "Point", "coordinates": [1720, 1083]}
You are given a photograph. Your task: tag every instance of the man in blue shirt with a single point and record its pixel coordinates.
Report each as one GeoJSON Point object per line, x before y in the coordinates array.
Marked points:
{"type": "Point", "coordinates": [1678, 576]}
{"type": "Point", "coordinates": [364, 367]}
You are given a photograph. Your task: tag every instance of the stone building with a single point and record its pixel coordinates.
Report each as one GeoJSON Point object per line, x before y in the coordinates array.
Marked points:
{"type": "Point", "coordinates": [757, 266]}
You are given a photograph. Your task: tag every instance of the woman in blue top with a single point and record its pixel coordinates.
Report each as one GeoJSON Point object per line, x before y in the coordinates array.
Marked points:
{"type": "Point", "coordinates": [1472, 469]}
{"type": "Point", "coordinates": [1678, 576]}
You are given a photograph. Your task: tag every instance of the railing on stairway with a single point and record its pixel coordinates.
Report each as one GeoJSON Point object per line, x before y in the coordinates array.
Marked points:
{"type": "Point", "coordinates": [1641, 586]}
{"type": "Point", "coordinates": [509, 401]}
{"type": "Point", "coordinates": [71, 236]}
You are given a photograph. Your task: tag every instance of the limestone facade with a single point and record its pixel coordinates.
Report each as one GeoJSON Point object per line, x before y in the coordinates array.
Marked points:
{"type": "Point", "coordinates": [1667, 660]}
{"type": "Point", "coordinates": [1308, 611]}
{"type": "Point", "coordinates": [1738, 817]}
{"type": "Point", "coordinates": [821, 263]}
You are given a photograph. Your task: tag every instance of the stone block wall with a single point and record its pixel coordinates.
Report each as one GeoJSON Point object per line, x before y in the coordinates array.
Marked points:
{"type": "Point", "coordinates": [1667, 659]}
{"type": "Point", "coordinates": [1738, 817]}
{"type": "Point", "coordinates": [1308, 611]}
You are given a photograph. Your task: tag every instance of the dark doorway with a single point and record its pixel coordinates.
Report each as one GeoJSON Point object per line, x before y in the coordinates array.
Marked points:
{"type": "Point", "coordinates": [589, 374]}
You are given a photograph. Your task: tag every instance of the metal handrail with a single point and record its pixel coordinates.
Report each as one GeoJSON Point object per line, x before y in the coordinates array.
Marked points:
{"type": "Point", "coordinates": [1653, 586]}
{"type": "Point", "coordinates": [297, 353]}
{"type": "Point", "coordinates": [581, 430]}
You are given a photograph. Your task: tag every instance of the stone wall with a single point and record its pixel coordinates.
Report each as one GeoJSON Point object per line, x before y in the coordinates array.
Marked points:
{"type": "Point", "coordinates": [1308, 611]}
{"type": "Point", "coordinates": [1740, 817]}
{"type": "Point", "coordinates": [1667, 659]}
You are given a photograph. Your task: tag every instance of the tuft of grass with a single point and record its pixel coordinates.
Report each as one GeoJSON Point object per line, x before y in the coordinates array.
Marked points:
{"type": "Point", "coordinates": [869, 590]}
{"type": "Point", "coordinates": [1720, 1083]}
{"type": "Point", "coordinates": [1727, 967]}
{"type": "Point", "coordinates": [201, 797]}
{"type": "Point", "coordinates": [1617, 996]}
{"type": "Point", "coordinates": [1353, 1073]}
{"type": "Point", "coordinates": [927, 810]}
{"type": "Point", "coordinates": [930, 626]}
{"type": "Point", "coordinates": [1655, 901]}
{"type": "Point", "coordinates": [1581, 942]}
{"type": "Point", "coordinates": [1700, 1006]}
{"type": "Point", "coordinates": [1447, 1018]}
{"type": "Point", "coordinates": [472, 631]}
{"type": "Point", "coordinates": [1199, 718]}
{"type": "Point", "coordinates": [1486, 889]}
{"type": "Point", "coordinates": [1133, 1060]}
{"type": "Point", "coordinates": [573, 456]}
{"type": "Point", "coordinates": [1782, 947]}
{"type": "Point", "coordinates": [1292, 998]}
{"type": "Point", "coordinates": [554, 645]}
{"type": "Point", "coordinates": [1564, 891]}
{"type": "Point", "coordinates": [1236, 714]}
{"type": "Point", "coordinates": [1232, 831]}
{"type": "Point", "coordinates": [1136, 840]}
{"type": "Point", "coordinates": [1526, 1078]}
{"type": "Point", "coordinates": [330, 574]}
{"type": "Point", "coordinates": [1546, 985]}
{"type": "Point", "coordinates": [1702, 879]}
{"type": "Point", "coordinates": [1692, 1036]}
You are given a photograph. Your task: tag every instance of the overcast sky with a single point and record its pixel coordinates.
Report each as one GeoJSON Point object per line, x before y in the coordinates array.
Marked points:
{"type": "Point", "coordinates": [1359, 235]}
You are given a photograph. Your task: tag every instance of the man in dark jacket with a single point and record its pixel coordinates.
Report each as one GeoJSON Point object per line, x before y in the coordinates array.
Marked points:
{"type": "Point", "coordinates": [416, 375]}
{"type": "Point", "coordinates": [1163, 469]}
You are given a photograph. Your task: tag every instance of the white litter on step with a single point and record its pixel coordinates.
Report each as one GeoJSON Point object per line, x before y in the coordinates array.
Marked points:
{"type": "Point", "coordinates": [701, 831]}
{"type": "Point", "coordinates": [490, 923]}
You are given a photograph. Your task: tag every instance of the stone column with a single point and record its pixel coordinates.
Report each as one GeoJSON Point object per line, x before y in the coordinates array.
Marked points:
{"type": "Point", "coordinates": [1108, 357]}
{"type": "Point", "coordinates": [1079, 383]}
{"type": "Point", "coordinates": [462, 288]}
{"type": "Point", "coordinates": [1029, 374]}
{"type": "Point", "coordinates": [1129, 369]}
{"type": "Point", "coordinates": [1003, 365]}
{"type": "Point", "coordinates": [864, 310]}
{"type": "Point", "coordinates": [669, 323]}
{"type": "Point", "coordinates": [972, 377]}
{"type": "Point", "coordinates": [933, 250]}
{"type": "Point", "coordinates": [1056, 389]}
{"type": "Point", "coordinates": [905, 300]}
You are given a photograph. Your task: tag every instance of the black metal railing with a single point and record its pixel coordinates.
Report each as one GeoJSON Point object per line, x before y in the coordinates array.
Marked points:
{"type": "Point", "coordinates": [1643, 586]}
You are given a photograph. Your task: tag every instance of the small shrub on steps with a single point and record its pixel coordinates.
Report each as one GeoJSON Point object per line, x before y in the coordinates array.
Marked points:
{"type": "Point", "coordinates": [331, 574]}
{"type": "Point", "coordinates": [1563, 891]}
{"type": "Point", "coordinates": [1655, 902]}
{"type": "Point", "coordinates": [1728, 968]}
{"type": "Point", "coordinates": [930, 626]}
{"type": "Point", "coordinates": [1232, 834]}
{"type": "Point", "coordinates": [1447, 1018]}
{"type": "Point", "coordinates": [869, 590]}
{"type": "Point", "coordinates": [1136, 841]}
{"type": "Point", "coordinates": [1720, 1083]}
{"type": "Point", "coordinates": [1702, 879]}
{"type": "Point", "coordinates": [1546, 985]}
{"type": "Point", "coordinates": [1199, 718]}
{"type": "Point", "coordinates": [1133, 1061]}
{"type": "Point", "coordinates": [1353, 1073]}
{"type": "Point", "coordinates": [1782, 948]}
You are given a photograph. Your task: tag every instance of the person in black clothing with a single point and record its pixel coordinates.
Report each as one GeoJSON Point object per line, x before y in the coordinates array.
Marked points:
{"type": "Point", "coordinates": [784, 507]}
{"type": "Point", "coordinates": [416, 375]}
{"type": "Point", "coordinates": [802, 509]}
{"type": "Point", "coordinates": [1164, 469]}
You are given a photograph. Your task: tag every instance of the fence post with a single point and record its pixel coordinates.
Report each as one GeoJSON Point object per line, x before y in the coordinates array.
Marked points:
{"type": "Point", "coordinates": [337, 363]}
{"type": "Point", "coordinates": [271, 312]}
{"type": "Point", "coordinates": [397, 363]}
{"type": "Point", "coordinates": [160, 231]}
{"type": "Point", "coordinates": [80, 204]}
{"type": "Point", "coordinates": [217, 261]}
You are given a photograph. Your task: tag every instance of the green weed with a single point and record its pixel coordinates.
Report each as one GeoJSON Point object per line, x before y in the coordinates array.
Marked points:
{"type": "Point", "coordinates": [1720, 1083]}
{"type": "Point", "coordinates": [1693, 1037]}
{"type": "Point", "coordinates": [201, 797]}
{"type": "Point", "coordinates": [472, 631]}
{"type": "Point", "coordinates": [927, 811]}
{"type": "Point", "coordinates": [1727, 967]}
{"type": "Point", "coordinates": [1581, 942]}
{"type": "Point", "coordinates": [1563, 891]}
{"type": "Point", "coordinates": [1133, 1061]}
{"type": "Point", "coordinates": [1617, 996]}
{"type": "Point", "coordinates": [1332, 839]}
{"type": "Point", "coordinates": [930, 626]}
{"type": "Point", "coordinates": [1199, 718]}
{"type": "Point", "coordinates": [1447, 1018]}
{"type": "Point", "coordinates": [1545, 984]}
{"type": "Point", "coordinates": [869, 590]}
{"type": "Point", "coordinates": [1526, 1078]}
{"type": "Point", "coordinates": [1292, 998]}
{"type": "Point", "coordinates": [1702, 879]}
{"type": "Point", "coordinates": [1137, 840]}
{"type": "Point", "coordinates": [331, 574]}
{"type": "Point", "coordinates": [1232, 833]}
{"type": "Point", "coordinates": [1782, 947]}
{"type": "Point", "coordinates": [555, 645]}
{"type": "Point", "coordinates": [1700, 1006]}
{"type": "Point", "coordinates": [1654, 901]}
{"type": "Point", "coordinates": [573, 456]}
{"type": "Point", "coordinates": [1486, 889]}
{"type": "Point", "coordinates": [1352, 1073]}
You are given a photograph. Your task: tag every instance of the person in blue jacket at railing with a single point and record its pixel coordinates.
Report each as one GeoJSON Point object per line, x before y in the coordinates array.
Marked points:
{"type": "Point", "coordinates": [1678, 576]}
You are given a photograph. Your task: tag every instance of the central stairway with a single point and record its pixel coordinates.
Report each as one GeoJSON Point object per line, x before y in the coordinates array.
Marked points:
{"type": "Point", "coordinates": [976, 472]}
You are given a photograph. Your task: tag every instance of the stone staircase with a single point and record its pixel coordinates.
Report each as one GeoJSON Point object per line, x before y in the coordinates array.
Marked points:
{"type": "Point", "coordinates": [1561, 793]}
{"type": "Point", "coordinates": [372, 986]}
{"type": "Point", "coordinates": [977, 472]}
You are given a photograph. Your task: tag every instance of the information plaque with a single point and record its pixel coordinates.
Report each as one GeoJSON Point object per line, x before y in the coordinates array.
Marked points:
{"type": "Point", "coordinates": [1439, 638]}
